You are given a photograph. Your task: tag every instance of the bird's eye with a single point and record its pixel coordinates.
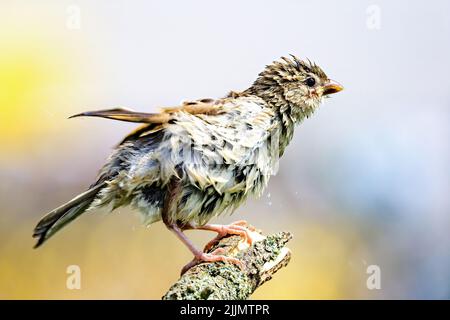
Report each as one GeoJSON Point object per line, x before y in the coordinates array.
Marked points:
{"type": "Point", "coordinates": [310, 82]}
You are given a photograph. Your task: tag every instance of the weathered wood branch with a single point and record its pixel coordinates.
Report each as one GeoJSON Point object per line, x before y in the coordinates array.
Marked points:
{"type": "Point", "coordinates": [224, 281]}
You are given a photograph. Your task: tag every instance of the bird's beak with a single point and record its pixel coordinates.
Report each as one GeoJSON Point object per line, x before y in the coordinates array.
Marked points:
{"type": "Point", "coordinates": [331, 87]}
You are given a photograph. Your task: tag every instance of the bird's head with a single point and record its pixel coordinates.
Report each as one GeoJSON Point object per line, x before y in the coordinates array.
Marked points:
{"type": "Point", "coordinates": [294, 86]}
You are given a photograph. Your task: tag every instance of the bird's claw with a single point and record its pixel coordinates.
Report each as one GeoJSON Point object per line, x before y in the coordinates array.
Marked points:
{"type": "Point", "coordinates": [215, 256]}
{"type": "Point", "coordinates": [241, 228]}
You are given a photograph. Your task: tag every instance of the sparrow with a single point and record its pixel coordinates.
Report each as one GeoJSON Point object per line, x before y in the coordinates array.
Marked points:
{"type": "Point", "coordinates": [192, 162]}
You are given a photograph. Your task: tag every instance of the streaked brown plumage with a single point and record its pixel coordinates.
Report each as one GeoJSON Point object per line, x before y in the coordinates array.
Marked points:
{"type": "Point", "coordinates": [192, 162]}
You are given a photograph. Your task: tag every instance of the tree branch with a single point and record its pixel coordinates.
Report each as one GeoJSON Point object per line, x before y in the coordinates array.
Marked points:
{"type": "Point", "coordinates": [224, 281]}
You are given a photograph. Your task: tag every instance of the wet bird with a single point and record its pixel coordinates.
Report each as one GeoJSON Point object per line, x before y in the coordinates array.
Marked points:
{"type": "Point", "coordinates": [190, 163]}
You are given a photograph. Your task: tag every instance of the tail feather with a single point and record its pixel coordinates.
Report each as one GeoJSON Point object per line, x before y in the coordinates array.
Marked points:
{"type": "Point", "coordinates": [61, 216]}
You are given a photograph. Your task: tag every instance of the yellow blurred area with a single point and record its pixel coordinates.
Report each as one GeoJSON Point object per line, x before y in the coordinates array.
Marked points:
{"type": "Point", "coordinates": [36, 72]}
{"type": "Point", "coordinates": [25, 73]}
{"type": "Point", "coordinates": [30, 76]}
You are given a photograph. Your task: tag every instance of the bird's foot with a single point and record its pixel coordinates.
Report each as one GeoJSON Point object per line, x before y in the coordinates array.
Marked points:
{"type": "Point", "coordinates": [241, 228]}
{"type": "Point", "coordinates": [215, 256]}
{"type": "Point", "coordinates": [199, 256]}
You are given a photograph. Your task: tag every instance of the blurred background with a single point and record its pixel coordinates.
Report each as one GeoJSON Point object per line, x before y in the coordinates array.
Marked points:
{"type": "Point", "coordinates": [364, 182]}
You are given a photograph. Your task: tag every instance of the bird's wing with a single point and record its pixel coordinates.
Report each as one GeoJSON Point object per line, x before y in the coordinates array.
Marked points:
{"type": "Point", "coordinates": [203, 106]}
{"type": "Point", "coordinates": [128, 115]}
{"type": "Point", "coordinates": [229, 118]}
{"type": "Point", "coordinates": [155, 121]}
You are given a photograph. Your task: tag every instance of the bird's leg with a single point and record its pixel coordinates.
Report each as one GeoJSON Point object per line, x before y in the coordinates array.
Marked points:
{"type": "Point", "coordinates": [171, 203]}
{"type": "Point", "coordinates": [240, 228]}
{"type": "Point", "coordinates": [199, 256]}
